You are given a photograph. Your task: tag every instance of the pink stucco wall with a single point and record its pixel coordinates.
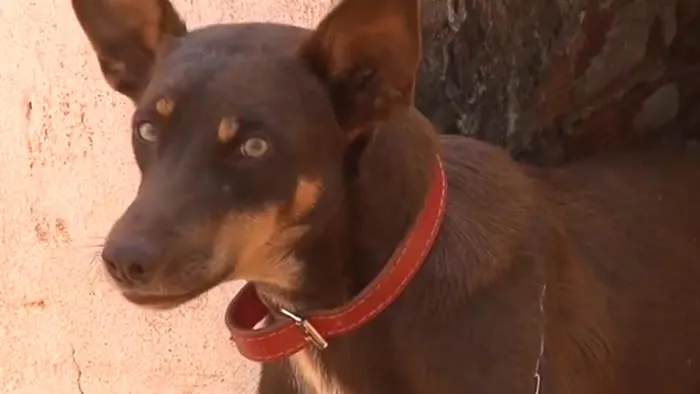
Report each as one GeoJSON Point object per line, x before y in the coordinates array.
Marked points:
{"type": "Point", "coordinates": [66, 172]}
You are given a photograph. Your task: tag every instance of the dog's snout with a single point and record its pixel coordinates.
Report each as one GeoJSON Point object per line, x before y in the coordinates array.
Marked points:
{"type": "Point", "coordinates": [131, 261]}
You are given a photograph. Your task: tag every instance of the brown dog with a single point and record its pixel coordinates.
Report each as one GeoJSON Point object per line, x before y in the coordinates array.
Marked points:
{"type": "Point", "coordinates": [295, 160]}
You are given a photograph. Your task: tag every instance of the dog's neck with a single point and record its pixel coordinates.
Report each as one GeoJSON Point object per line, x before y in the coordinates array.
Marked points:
{"type": "Point", "coordinates": [382, 200]}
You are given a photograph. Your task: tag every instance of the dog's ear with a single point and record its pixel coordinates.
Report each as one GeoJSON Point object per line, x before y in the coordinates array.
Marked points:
{"type": "Point", "coordinates": [128, 36]}
{"type": "Point", "coordinates": [367, 52]}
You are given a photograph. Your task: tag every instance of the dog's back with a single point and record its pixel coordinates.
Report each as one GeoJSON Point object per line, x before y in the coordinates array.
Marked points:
{"type": "Point", "coordinates": [621, 300]}
{"type": "Point", "coordinates": [634, 219]}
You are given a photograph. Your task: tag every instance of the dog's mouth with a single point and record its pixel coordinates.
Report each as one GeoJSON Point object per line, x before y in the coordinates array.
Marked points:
{"type": "Point", "coordinates": [162, 302]}
{"type": "Point", "coordinates": [169, 301]}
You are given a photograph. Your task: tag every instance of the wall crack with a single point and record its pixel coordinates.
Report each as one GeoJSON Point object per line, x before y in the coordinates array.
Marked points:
{"type": "Point", "coordinates": [79, 371]}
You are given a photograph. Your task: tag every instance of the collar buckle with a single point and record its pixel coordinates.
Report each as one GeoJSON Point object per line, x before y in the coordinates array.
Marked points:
{"type": "Point", "coordinates": [311, 334]}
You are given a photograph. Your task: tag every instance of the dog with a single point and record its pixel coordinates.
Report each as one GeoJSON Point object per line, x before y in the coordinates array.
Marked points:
{"type": "Point", "coordinates": [379, 256]}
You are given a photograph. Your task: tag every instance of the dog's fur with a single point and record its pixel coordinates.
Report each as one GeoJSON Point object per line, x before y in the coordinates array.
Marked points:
{"type": "Point", "coordinates": [599, 262]}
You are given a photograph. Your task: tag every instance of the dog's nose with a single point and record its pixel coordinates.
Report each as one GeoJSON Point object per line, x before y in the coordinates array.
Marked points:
{"type": "Point", "coordinates": [130, 262]}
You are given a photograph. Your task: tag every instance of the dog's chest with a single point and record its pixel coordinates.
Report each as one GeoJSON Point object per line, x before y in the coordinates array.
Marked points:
{"type": "Point", "coordinates": [311, 377]}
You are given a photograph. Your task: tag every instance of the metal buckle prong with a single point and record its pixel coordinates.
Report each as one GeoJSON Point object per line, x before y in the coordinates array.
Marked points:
{"type": "Point", "coordinates": [311, 335]}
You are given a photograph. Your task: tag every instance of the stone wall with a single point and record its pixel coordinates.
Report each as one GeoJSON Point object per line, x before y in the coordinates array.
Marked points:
{"type": "Point", "coordinates": [553, 79]}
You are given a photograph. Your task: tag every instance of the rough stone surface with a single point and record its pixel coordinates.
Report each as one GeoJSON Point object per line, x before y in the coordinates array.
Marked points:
{"type": "Point", "coordinates": [66, 172]}
{"type": "Point", "coordinates": [557, 79]}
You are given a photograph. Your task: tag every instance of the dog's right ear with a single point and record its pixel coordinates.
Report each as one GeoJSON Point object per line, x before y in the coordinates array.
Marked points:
{"type": "Point", "coordinates": [128, 36]}
{"type": "Point", "coordinates": [367, 53]}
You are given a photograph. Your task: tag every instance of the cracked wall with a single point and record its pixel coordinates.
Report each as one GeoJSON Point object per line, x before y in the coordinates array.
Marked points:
{"type": "Point", "coordinates": [66, 172]}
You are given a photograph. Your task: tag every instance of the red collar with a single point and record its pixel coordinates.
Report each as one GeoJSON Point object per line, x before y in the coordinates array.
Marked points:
{"type": "Point", "coordinates": [286, 337]}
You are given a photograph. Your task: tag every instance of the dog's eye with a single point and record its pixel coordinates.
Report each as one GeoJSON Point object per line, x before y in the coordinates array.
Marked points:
{"type": "Point", "coordinates": [254, 147]}
{"type": "Point", "coordinates": [147, 131]}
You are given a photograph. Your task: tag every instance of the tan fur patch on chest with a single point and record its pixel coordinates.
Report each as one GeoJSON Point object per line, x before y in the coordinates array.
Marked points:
{"type": "Point", "coordinates": [311, 378]}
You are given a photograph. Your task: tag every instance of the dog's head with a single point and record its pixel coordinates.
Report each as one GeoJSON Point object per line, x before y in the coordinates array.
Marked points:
{"type": "Point", "coordinates": [242, 134]}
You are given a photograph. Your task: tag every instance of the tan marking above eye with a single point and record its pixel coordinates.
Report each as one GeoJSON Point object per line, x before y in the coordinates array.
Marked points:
{"type": "Point", "coordinates": [147, 132]}
{"type": "Point", "coordinates": [254, 147]}
{"type": "Point", "coordinates": [165, 107]}
{"type": "Point", "coordinates": [228, 127]}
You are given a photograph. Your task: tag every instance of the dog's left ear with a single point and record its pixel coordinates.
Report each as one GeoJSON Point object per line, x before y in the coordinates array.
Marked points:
{"type": "Point", "coordinates": [367, 52]}
{"type": "Point", "coordinates": [128, 36]}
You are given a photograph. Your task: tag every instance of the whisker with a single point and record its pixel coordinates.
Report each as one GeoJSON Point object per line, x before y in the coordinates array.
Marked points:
{"type": "Point", "coordinates": [90, 241]}
{"type": "Point", "coordinates": [95, 237]}
{"type": "Point", "coordinates": [94, 258]}
{"type": "Point", "coordinates": [89, 246]}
